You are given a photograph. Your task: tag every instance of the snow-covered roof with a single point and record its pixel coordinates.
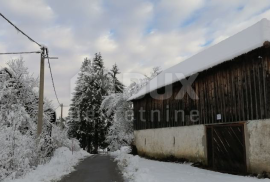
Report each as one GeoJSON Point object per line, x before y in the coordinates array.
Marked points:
{"type": "Point", "coordinates": [238, 44]}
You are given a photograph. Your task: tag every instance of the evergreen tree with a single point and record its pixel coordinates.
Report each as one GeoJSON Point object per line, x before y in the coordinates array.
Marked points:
{"type": "Point", "coordinates": [86, 120]}
{"type": "Point", "coordinates": [79, 123]}
{"type": "Point", "coordinates": [117, 86]}
{"type": "Point", "coordinates": [100, 88]}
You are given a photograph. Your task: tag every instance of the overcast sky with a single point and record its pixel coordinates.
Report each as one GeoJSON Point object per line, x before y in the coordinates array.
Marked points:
{"type": "Point", "coordinates": [137, 35]}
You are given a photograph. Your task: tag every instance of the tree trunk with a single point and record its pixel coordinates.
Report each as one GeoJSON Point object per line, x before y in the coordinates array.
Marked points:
{"type": "Point", "coordinates": [96, 138]}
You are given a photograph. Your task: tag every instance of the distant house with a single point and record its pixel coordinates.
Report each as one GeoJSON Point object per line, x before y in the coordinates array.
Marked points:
{"type": "Point", "coordinates": [223, 118]}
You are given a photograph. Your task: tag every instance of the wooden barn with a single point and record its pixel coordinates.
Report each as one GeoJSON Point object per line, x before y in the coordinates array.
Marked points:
{"type": "Point", "coordinates": [213, 107]}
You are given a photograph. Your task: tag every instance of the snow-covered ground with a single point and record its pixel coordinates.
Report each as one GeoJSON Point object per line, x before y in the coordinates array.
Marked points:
{"type": "Point", "coordinates": [138, 169]}
{"type": "Point", "coordinates": [62, 163]}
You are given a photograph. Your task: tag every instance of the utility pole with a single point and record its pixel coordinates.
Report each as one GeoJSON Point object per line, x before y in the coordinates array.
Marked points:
{"type": "Point", "coordinates": [41, 93]}
{"type": "Point", "coordinates": [62, 124]}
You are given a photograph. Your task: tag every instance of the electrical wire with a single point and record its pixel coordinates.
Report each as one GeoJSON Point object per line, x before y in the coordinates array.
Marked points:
{"type": "Point", "coordinates": [33, 52]}
{"type": "Point", "coordinates": [53, 80]}
{"type": "Point", "coordinates": [20, 30]}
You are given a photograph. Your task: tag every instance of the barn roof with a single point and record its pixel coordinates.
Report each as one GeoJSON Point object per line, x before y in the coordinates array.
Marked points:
{"type": "Point", "coordinates": [238, 44]}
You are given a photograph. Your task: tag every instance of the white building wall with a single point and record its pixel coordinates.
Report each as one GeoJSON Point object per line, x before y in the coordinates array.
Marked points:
{"type": "Point", "coordinates": [190, 142]}
{"type": "Point", "coordinates": [258, 145]}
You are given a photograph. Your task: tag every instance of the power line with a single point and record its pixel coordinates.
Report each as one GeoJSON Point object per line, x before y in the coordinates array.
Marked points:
{"type": "Point", "coordinates": [44, 54]}
{"type": "Point", "coordinates": [32, 52]}
{"type": "Point", "coordinates": [20, 30]}
{"type": "Point", "coordinates": [42, 47]}
{"type": "Point", "coordinates": [53, 80]}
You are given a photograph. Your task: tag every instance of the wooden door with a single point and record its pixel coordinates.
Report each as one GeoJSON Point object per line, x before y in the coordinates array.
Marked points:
{"type": "Point", "coordinates": [226, 148]}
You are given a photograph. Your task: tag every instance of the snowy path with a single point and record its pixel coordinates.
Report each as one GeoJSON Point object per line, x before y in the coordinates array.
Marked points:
{"type": "Point", "coordinates": [98, 168]}
{"type": "Point", "coordinates": [172, 172]}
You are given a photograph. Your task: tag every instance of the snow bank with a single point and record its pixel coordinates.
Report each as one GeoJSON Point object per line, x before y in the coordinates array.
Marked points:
{"type": "Point", "coordinates": [129, 165]}
{"type": "Point", "coordinates": [138, 169]}
{"type": "Point", "coordinates": [62, 163]}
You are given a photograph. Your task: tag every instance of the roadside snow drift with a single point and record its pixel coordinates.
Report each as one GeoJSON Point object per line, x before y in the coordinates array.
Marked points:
{"type": "Point", "coordinates": [137, 169]}
{"type": "Point", "coordinates": [62, 163]}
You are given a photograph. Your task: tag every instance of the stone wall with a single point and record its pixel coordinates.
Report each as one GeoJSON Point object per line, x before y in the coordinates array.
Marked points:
{"type": "Point", "coordinates": [187, 142]}
{"type": "Point", "coordinates": [258, 146]}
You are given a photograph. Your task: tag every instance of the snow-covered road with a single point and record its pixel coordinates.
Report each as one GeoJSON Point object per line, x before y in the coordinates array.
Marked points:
{"type": "Point", "coordinates": [96, 168]}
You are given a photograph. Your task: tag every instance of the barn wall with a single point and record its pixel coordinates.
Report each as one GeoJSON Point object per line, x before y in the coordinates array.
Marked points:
{"type": "Point", "coordinates": [258, 145]}
{"type": "Point", "coordinates": [190, 142]}
{"type": "Point", "coordinates": [238, 90]}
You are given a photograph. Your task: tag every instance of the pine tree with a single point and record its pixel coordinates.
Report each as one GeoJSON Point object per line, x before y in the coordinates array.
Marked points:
{"type": "Point", "coordinates": [79, 124]}
{"type": "Point", "coordinates": [101, 87]}
{"type": "Point", "coordinates": [117, 86]}
{"type": "Point", "coordinates": [86, 121]}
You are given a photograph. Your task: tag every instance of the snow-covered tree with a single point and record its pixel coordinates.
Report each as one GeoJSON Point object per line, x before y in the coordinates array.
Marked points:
{"type": "Point", "coordinates": [120, 133]}
{"type": "Point", "coordinates": [85, 117]}
{"type": "Point", "coordinates": [80, 122]}
{"type": "Point", "coordinates": [116, 85]}
{"type": "Point", "coordinates": [20, 151]}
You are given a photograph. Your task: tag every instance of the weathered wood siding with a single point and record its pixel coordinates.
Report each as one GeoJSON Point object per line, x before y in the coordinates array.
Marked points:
{"type": "Point", "coordinates": [238, 89]}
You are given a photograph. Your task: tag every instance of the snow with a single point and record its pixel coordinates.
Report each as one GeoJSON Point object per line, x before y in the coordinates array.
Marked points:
{"type": "Point", "coordinates": [62, 163]}
{"type": "Point", "coordinates": [138, 169]}
{"type": "Point", "coordinates": [238, 44]}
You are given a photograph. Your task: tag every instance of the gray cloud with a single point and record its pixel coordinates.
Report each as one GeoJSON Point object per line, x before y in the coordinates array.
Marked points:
{"type": "Point", "coordinates": [137, 35]}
